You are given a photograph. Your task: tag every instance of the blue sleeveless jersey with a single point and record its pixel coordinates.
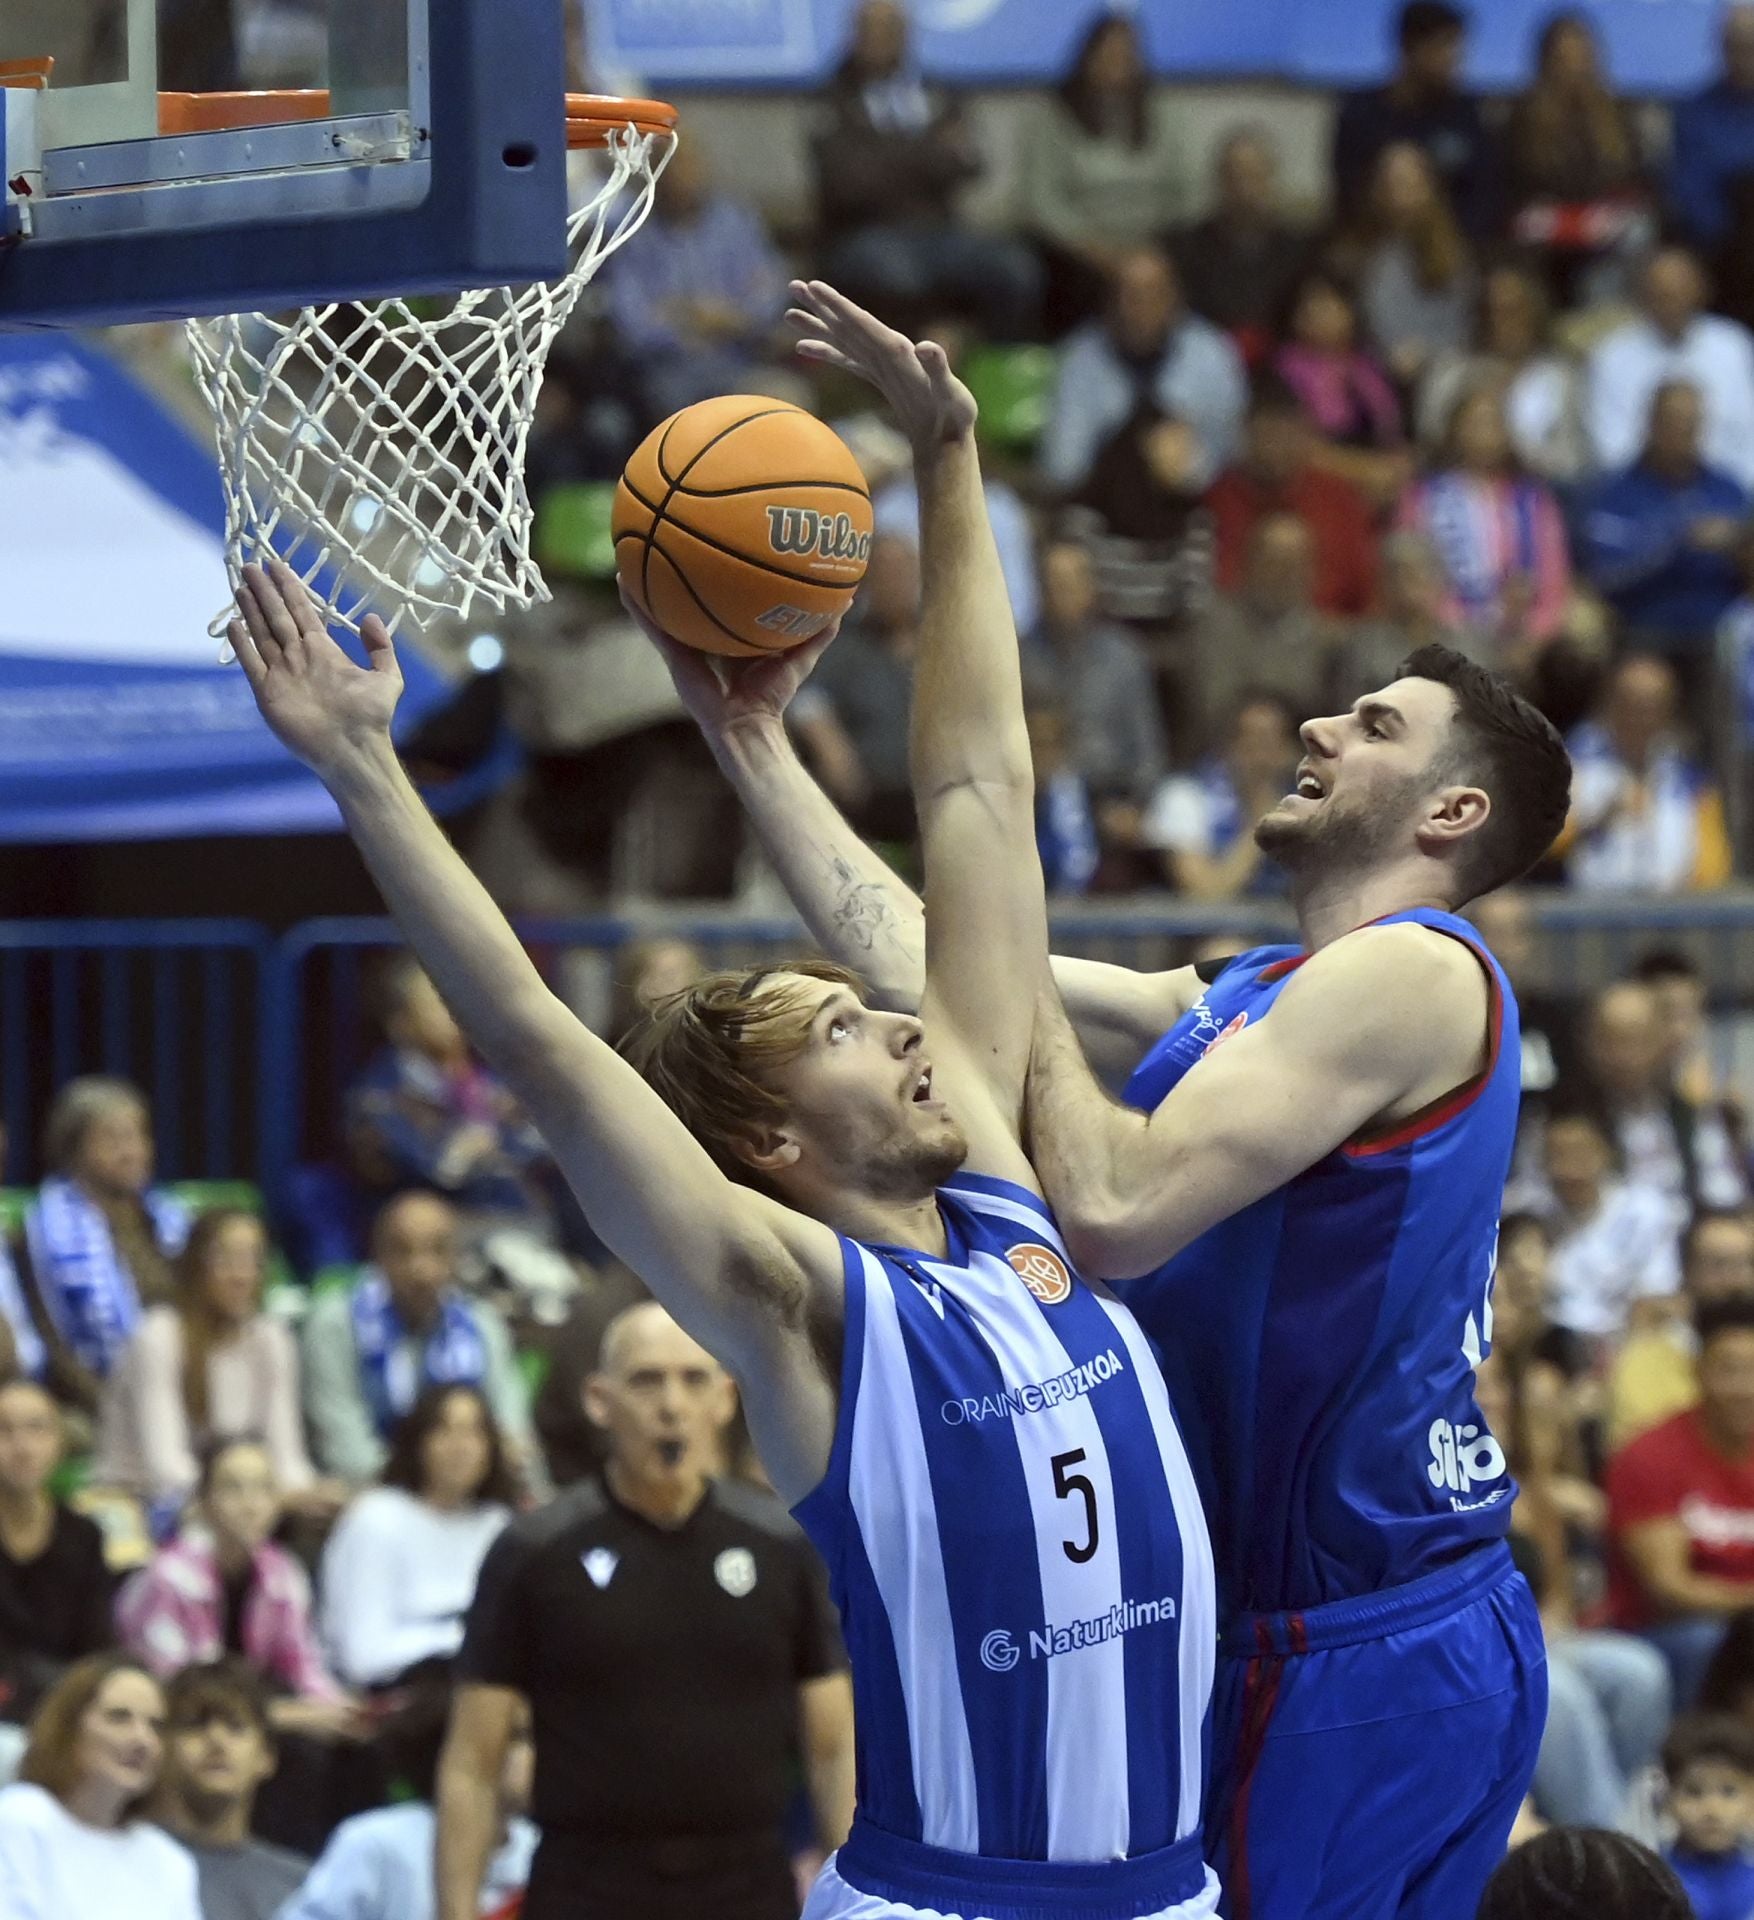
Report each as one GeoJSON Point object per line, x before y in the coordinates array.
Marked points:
{"type": "Point", "coordinates": [1321, 1344]}
{"type": "Point", "coordinates": [1016, 1545]}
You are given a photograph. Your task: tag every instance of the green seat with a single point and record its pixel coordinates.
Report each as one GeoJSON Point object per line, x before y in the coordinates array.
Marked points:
{"type": "Point", "coordinates": [13, 1202]}
{"type": "Point", "coordinates": [202, 1196]}
{"type": "Point", "coordinates": [572, 530]}
{"type": "Point", "coordinates": [1013, 387]}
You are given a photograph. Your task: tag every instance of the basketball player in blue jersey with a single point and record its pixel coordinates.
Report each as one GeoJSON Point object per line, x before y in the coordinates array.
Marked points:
{"type": "Point", "coordinates": [1301, 1197]}
{"type": "Point", "coordinates": [833, 1198]}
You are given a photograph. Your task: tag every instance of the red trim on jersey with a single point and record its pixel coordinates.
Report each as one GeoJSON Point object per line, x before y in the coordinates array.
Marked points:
{"type": "Point", "coordinates": [1429, 1118]}
{"type": "Point", "coordinates": [1260, 1698]}
{"type": "Point", "coordinates": [1280, 968]}
{"type": "Point", "coordinates": [1298, 1630]}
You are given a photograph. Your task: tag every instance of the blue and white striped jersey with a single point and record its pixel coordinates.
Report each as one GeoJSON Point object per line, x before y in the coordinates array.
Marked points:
{"type": "Point", "coordinates": [1017, 1548]}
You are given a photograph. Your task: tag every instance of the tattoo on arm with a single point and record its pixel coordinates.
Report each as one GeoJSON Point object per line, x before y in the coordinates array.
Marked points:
{"type": "Point", "coordinates": [862, 915]}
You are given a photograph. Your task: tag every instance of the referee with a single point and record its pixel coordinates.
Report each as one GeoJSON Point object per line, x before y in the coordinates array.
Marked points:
{"type": "Point", "coordinates": [674, 1639]}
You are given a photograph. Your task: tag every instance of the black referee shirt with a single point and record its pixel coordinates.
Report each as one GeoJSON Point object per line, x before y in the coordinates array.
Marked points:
{"type": "Point", "coordinates": [662, 1665]}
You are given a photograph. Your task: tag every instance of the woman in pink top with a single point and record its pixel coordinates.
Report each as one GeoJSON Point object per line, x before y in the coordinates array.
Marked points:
{"type": "Point", "coordinates": [223, 1586]}
{"type": "Point", "coordinates": [210, 1366]}
{"type": "Point", "coordinates": [1498, 532]}
{"type": "Point", "coordinates": [1345, 393]}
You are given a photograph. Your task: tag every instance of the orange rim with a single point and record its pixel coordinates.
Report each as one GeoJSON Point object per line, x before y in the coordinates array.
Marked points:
{"type": "Point", "coordinates": [32, 75]}
{"type": "Point", "coordinates": [223, 112]}
{"type": "Point", "coordinates": [591, 118]}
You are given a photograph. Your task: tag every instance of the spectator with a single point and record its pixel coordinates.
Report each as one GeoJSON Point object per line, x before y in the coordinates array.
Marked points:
{"type": "Point", "coordinates": [379, 1866]}
{"type": "Point", "coordinates": [1416, 283]}
{"type": "Point", "coordinates": [1103, 172]}
{"type": "Point", "coordinates": [1575, 173]}
{"type": "Point", "coordinates": [1240, 262]}
{"type": "Point", "coordinates": [1498, 533]}
{"type": "Point", "coordinates": [890, 156]}
{"type": "Point", "coordinates": [1684, 1151]}
{"type": "Point", "coordinates": [1344, 391]}
{"type": "Point", "coordinates": [1584, 1871]}
{"type": "Point", "coordinates": [1728, 1686]}
{"type": "Point", "coordinates": [1709, 1765]}
{"type": "Point", "coordinates": [1548, 1021]}
{"type": "Point", "coordinates": [647, 972]}
{"type": "Point", "coordinates": [1673, 339]}
{"type": "Point", "coordinates": [72, 1840]}
{"type": "Point", "coordinates": [852, 716]}
{"type": "Point", "coordinates": [1278, 473]}
{"type": "Point", "coordinates": [1712, 151]}
{"type": "Point", "coordinates": [697, 304]}
{"type": "Point", "coordinates": [1681, 1507]}
{"type": "Point", "coordinates": [1139, 512]}
{"type": "Point", "coordinates": [100, 1237]}
{"type": "Point", "coordinates": [1147, 350]}
{"type": "Point", "coordinates": [1100, 676]}
{"type": "Point", "coordinates": [1268, 633]}
{"type": "Point", "coordinates": [1645, 817]}
{"type": "Point", "coordinates": [1542, 386]}
{"type": "Point", "coordinates": [1655, 1374]}
{"type": "Point", "coordinates": [1608, 1693]}
{"type": "Point", "coordinates": [213, 1365]}
{"type": "Point", "coordinates": [1204, 822]}
{"type": "Point", "coordinates": [1422, 105]}
{"type": "Point", "coordinates": [219, 1750]}
{"type": "Point", "coordinates": [1066, 834]}
{"type": "Point", "coordinates": [1412, 611]}
{"type": "Point", "coordinates": [55, 1590]}
{"type": "Point", "coordinates": [400, 1567]}
{"type": "Point", "coordinates": [227, 1588]}
{"type": "Point", "coordinates": [664, 1724]}
{"type": "Point", "coordinates": [425, 1113]}
{"type": "Point", "coordinates": [22, 1347]}
{"type": "Point", "coordinates": [1660, 541]}
{"type": "Point", "coordinates": [1614, 1240]}
{"type": "Point", "coordinates": [895, 509]}
{"type": "Point", "coordinates": [404, 1325]}
{"type": "Point", "coordinates": [1678, 986]}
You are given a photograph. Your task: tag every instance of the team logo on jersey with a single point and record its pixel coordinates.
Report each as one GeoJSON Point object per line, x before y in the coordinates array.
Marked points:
{"type": "Point", "coordinates": [1218, 1039]}
{"type": "Point", "coordinates": [1042, 1271]}
{"type": "Point", "coordinates": [600, 1563]}
{"type": "Point", "coordinates": [734, 1570]}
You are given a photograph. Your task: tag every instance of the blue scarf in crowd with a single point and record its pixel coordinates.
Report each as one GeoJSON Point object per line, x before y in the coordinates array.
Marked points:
{"type": "Point", "coordinates": [453, 1354]}
{"type": "Point", "coordinates": [85, 1288]}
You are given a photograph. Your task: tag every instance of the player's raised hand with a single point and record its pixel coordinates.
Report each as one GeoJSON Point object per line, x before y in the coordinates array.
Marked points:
{"type": "Point", "coordinates": [318, 701]}
{"type": "Point", "coordinates": [914, 376]}
{"type": "Point", "coordinates": [721, 692]}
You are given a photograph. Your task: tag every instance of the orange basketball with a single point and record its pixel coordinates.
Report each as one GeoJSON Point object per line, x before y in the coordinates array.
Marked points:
{"type": "Point", "coordinates": [742, 525]}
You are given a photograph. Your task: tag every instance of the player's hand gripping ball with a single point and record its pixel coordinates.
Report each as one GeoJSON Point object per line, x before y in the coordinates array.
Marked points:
{"type": "Point", "coordinates": [742, 526]}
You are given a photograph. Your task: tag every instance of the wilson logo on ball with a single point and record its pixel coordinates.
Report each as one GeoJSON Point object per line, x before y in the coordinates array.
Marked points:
{"type": "Point", "coordinates": [1042, 1271]}
{"type": "Point", "coordinates": [824, 536]}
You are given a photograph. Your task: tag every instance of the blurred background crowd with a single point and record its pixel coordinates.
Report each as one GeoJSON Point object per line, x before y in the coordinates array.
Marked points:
{"type": "Point", "coordinates": [1248, 444]}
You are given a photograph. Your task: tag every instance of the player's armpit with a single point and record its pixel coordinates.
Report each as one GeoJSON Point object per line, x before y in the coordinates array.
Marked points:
{"type": "Point", "coordinates": [1369, 1030]}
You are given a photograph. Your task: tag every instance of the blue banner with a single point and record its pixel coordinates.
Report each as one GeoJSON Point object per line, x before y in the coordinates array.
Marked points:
{"type": "Point", "coordinates": [117, 720]}
{"type": "Point", "coordinates": [1653, 46]}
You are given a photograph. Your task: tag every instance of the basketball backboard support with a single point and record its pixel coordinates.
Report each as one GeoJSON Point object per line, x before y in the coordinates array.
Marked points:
{"type": "Point", "coordinates": [434, 162]}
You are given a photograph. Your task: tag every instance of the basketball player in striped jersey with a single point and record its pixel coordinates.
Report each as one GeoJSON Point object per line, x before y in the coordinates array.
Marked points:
{"type": "Point", "coordinates": [834, 1200]}
{"type": "Point", "coordinates": [1301, 1196]}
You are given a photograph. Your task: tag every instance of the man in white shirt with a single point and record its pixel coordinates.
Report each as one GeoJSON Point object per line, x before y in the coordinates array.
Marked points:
{"type": "Point", "coordinates": [1673, 340]}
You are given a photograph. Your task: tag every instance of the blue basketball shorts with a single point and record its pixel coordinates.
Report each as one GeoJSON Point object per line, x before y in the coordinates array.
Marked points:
{"type": "Point", "coordinates": [877, 1876]}
{"type": "Point", "coordinates": [1370, 1756]}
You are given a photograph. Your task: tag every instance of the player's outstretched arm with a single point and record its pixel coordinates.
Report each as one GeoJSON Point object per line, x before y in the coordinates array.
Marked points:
{"type": "Point", "coordinates": [974, 785]}
{"type": "Point", "coordinates": [1371, 1029]}
{"type": "Point", "coordinates": [746, 1276]}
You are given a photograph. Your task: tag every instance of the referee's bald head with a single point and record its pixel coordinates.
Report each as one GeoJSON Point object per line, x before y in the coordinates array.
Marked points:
{"type": "Point", "coordinates": [640, 1330]}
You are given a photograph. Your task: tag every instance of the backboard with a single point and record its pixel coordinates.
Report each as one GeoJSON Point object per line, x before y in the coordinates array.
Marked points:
{"type": "Point", "coordinates": [427, 156]}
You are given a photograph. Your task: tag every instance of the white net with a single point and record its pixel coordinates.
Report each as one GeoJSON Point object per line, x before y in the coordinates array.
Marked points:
{"type": "Point", "coordinates": [379, 450]}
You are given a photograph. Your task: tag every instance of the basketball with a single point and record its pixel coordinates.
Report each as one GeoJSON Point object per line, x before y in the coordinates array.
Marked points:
{"type": "Point", "coordinates": [742, 525]}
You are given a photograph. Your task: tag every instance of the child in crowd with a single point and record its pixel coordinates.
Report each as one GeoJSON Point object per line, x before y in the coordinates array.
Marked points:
{"type": "Point", "coordinates": [1709, 1761]}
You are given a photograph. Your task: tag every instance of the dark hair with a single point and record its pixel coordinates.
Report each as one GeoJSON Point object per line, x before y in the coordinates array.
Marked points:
{"type": "Point", "coordinates": [1512, 1224]}
{"type": "Point", "coordinates": [1271, 392]}
{"type": "Point", "coordinates": [1584, 1873]}
{"type": "Point", "coordinates": [1731, 1313]}
{"type": "Point", "coordinates": [218, 1689]}
{"type": "Point", "coordinates": [406, 1465]}
{"type": "Point", "coordinates": [51, 1761]}
{"type": "Point", "coordinates": [1724, 1737]}
{"type": "Point", "coordinates": [1423, 20]}
{"type": "Point", "coordinates": [1657, 964]}
{"type": "Point", "coordinates": [1730, 1676]}
{"type": "Point", "coordinates": [1511, 749]}
{"type": "Point", "coordinates": [1078, 96]}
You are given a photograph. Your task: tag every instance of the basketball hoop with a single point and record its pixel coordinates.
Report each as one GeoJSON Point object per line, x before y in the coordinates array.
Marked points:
{"type": "Point", "coordinates": [382, 446]}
